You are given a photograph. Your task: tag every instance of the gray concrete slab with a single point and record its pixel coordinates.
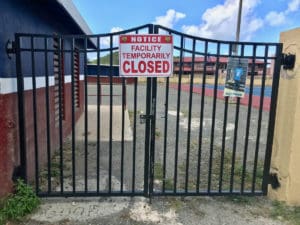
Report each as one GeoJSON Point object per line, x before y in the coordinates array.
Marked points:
{"type": "Point", "coordinates": [104, 124]}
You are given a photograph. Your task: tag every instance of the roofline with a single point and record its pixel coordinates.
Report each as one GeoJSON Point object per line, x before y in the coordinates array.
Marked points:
{"type": "Point", "coordinates": [71, 9]}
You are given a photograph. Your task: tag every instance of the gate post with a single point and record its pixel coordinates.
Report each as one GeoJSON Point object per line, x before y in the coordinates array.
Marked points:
{"type": "Point", "coordinates": [21, 114]}
{"type": "Point", "coordinates": [285, 164]}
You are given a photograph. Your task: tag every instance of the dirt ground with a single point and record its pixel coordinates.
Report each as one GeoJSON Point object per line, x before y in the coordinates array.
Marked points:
{"type": "Point", "coordinates": [162, 210]}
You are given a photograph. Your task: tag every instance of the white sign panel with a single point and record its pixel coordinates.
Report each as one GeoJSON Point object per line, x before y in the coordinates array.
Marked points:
{"type": "Point", "coordinates": [146, 55]}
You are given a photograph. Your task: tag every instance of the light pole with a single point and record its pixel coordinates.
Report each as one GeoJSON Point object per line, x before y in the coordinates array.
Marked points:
{"type": "Point", "coordinates": [238, 27]}
{"type": "Point", "coordinates": [237, 39]}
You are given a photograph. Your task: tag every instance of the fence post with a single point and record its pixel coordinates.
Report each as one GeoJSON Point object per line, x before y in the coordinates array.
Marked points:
{"type": "Point", "coordinates": [285, 164]}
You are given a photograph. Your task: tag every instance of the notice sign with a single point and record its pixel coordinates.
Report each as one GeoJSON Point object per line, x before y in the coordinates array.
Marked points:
{"type": "Point", "coordinates": [236, 77]}
{"type": "Point", "coordinates": [146, 55]}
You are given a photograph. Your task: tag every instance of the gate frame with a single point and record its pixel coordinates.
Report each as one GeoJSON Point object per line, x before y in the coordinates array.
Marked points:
{"type": "Point", "coordinates": [150, 116]}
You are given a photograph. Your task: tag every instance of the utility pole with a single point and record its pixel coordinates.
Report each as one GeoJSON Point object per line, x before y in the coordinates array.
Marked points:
{"type": "Point", "coordinates": [237, 38]}
{"type": "Point", "coordinates": [238, 27]}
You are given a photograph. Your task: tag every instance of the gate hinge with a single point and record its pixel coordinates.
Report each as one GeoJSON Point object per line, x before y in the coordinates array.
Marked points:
{"type": "Point", "coordinates": [143, 118]}
{"type": "Point", "coordinates": [288, 61]}
{"type": "Point", "coordinates": [10, 48]}
{"type": "Point", "coordinates": [274, 181]}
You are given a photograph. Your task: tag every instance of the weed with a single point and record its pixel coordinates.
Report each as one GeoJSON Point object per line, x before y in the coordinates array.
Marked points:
{"type": "Point", "coordinates": [239, 199]}
{"type": "Point", "coordinates": [16, 206]}
{"type": "Point", "coordinates": [158, 171]}
{"type": "Point", "coordinates": [175, 204]}
{"type": "Point", "coordinates": [169, 185]}
{"type": "Point", "coordinates": [157, 133]}
{"type": "Point", "coordinates": [283, 212]}
{"type": "Point", "coordinates": [238, 170]}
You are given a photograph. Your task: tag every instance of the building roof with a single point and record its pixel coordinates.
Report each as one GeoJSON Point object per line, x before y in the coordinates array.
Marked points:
{"type": "Point", "coordinates": [72, 11]}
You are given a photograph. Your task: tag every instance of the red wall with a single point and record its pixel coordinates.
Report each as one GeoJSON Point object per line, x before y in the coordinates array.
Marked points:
{"type": "Point", "coordinates": [8, 140]}
{"type": "Point", "coordinates": [9, 144]}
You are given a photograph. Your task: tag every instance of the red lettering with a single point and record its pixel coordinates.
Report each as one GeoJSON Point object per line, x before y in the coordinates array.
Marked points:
{"type": "Point", "coordinates": [158, 67]}
{"type": "Point", "coordinates": [126, 69]}
{"type": "Point", "coordinates": [142, 67]}
{"type": "Point", "coordinates": [150, 67]}
{"type": "Point", "coordinates": [133, 70]}
{"type": "Point", "coordinates": [166, 66]}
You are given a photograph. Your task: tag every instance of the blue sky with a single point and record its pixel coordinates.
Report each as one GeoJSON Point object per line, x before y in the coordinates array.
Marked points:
{"type": "Point", "coordinates": [262, 20]}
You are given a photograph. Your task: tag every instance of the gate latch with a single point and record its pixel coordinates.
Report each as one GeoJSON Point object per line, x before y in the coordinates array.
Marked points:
{"type": "Point", "coordinates": [143, 118]}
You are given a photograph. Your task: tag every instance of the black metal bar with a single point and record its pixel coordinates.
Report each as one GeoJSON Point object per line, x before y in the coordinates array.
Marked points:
{"type": "Point", "coordinates": [235, 136]}
{"type": "Point", "coordinates": [201, 116]}
{"type": "Point", "coordinates": [153, 128]}
{"type": "Point", "coordinates": [60, 83]}
{"type": "Point", "coordinates": [21, 110]}
{"type": "Point", "coordinates": [261, 103]}
{"type": "Point", "coordinates": [236, 124]}
{"type": "Point", "coordinates": [212, 134]}
{"type": "Point", "coordinates": [73, 116]}
{"type": "Point", "coordinates": [272, 116]}
{"type": "Point", "coordinates": [147, 138]}
{"type": "Point", "coordinates": [123, 132]}
{"type": "Point", "coordinates": [110, 114]}
{"type": "Point", "coordinates": [204, 193]}
{"type": "Point", "coordinates": [224, 134]}
{"type": "Point", "coordinates": [178, 114]}
{"type": "Point", "coordinates": [98, 114]}
{"type": "Point", "coordinates": [248, 121]}
{"type": "Point", "coordinates": [47, 115]}
{"type": "Point", "coordinates": [190, 118]}
{"type": "Point", "coordinates": [165, 134]}
{"type": "Point", "coordinates": [134, 134]}
{"type": "Point", "coordinates": [34, 109]}
{"type": "Point", "coordinates": [223, 144]}
{"type": "Point", "coordinates": [85, 119]}
{"type": "Point", "coordinates": [91, 194]}
{"type": "Point", "coordinates": [147, 130]}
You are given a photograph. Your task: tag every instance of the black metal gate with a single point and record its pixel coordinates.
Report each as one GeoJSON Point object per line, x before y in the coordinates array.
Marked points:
{"type": "Point", "coordinates": [86, 133]}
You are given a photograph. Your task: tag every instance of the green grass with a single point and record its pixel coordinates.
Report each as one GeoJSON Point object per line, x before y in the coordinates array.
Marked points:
{"type": "Point", "coordinates": [286, 213]}
{"type": "Point", "coordinates": [238, 171]}
{"type": "Point", "coordinates": [158, 171]}
{"type": "Point", "coordinates": [157, 133]}
{"type": "Point", "coordinates": [158, 174]}
{"type": "Point", "coordinates": [17, 205]}
{"type": "Point", "coordinates": [54, 172]}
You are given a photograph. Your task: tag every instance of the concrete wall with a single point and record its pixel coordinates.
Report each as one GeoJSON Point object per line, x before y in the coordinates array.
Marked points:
{"type": "Point", "coordinates": [286, 145]}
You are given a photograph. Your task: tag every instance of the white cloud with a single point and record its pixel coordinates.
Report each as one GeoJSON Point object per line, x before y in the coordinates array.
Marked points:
{"type": "Point", "coordinates": [220, 22]}
{"type": "Point", "coordinates": [116, 29]}
{"type": "Point", "coordinates": [169, 19]}
{"type": "Point", "coordinates": [293, 6]}
{"type": "Point", "coordinates": [105, 42]}
{"type": "Point", "coordinates": [278, 18]}
{"type": "Point", "coordinates": [275, 18]}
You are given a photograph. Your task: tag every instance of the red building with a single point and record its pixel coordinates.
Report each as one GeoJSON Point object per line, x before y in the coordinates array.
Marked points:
{"type": "Point", "coordinates": [211, 64]}
{"type": "Point", "coordinates": [36, 17]}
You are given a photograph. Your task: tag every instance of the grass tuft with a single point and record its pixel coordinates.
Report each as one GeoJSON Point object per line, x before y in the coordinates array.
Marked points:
{"type": "Point", "coordinates": [17, 205]}
{"type": "Point", "coordinates": [283, 212]}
